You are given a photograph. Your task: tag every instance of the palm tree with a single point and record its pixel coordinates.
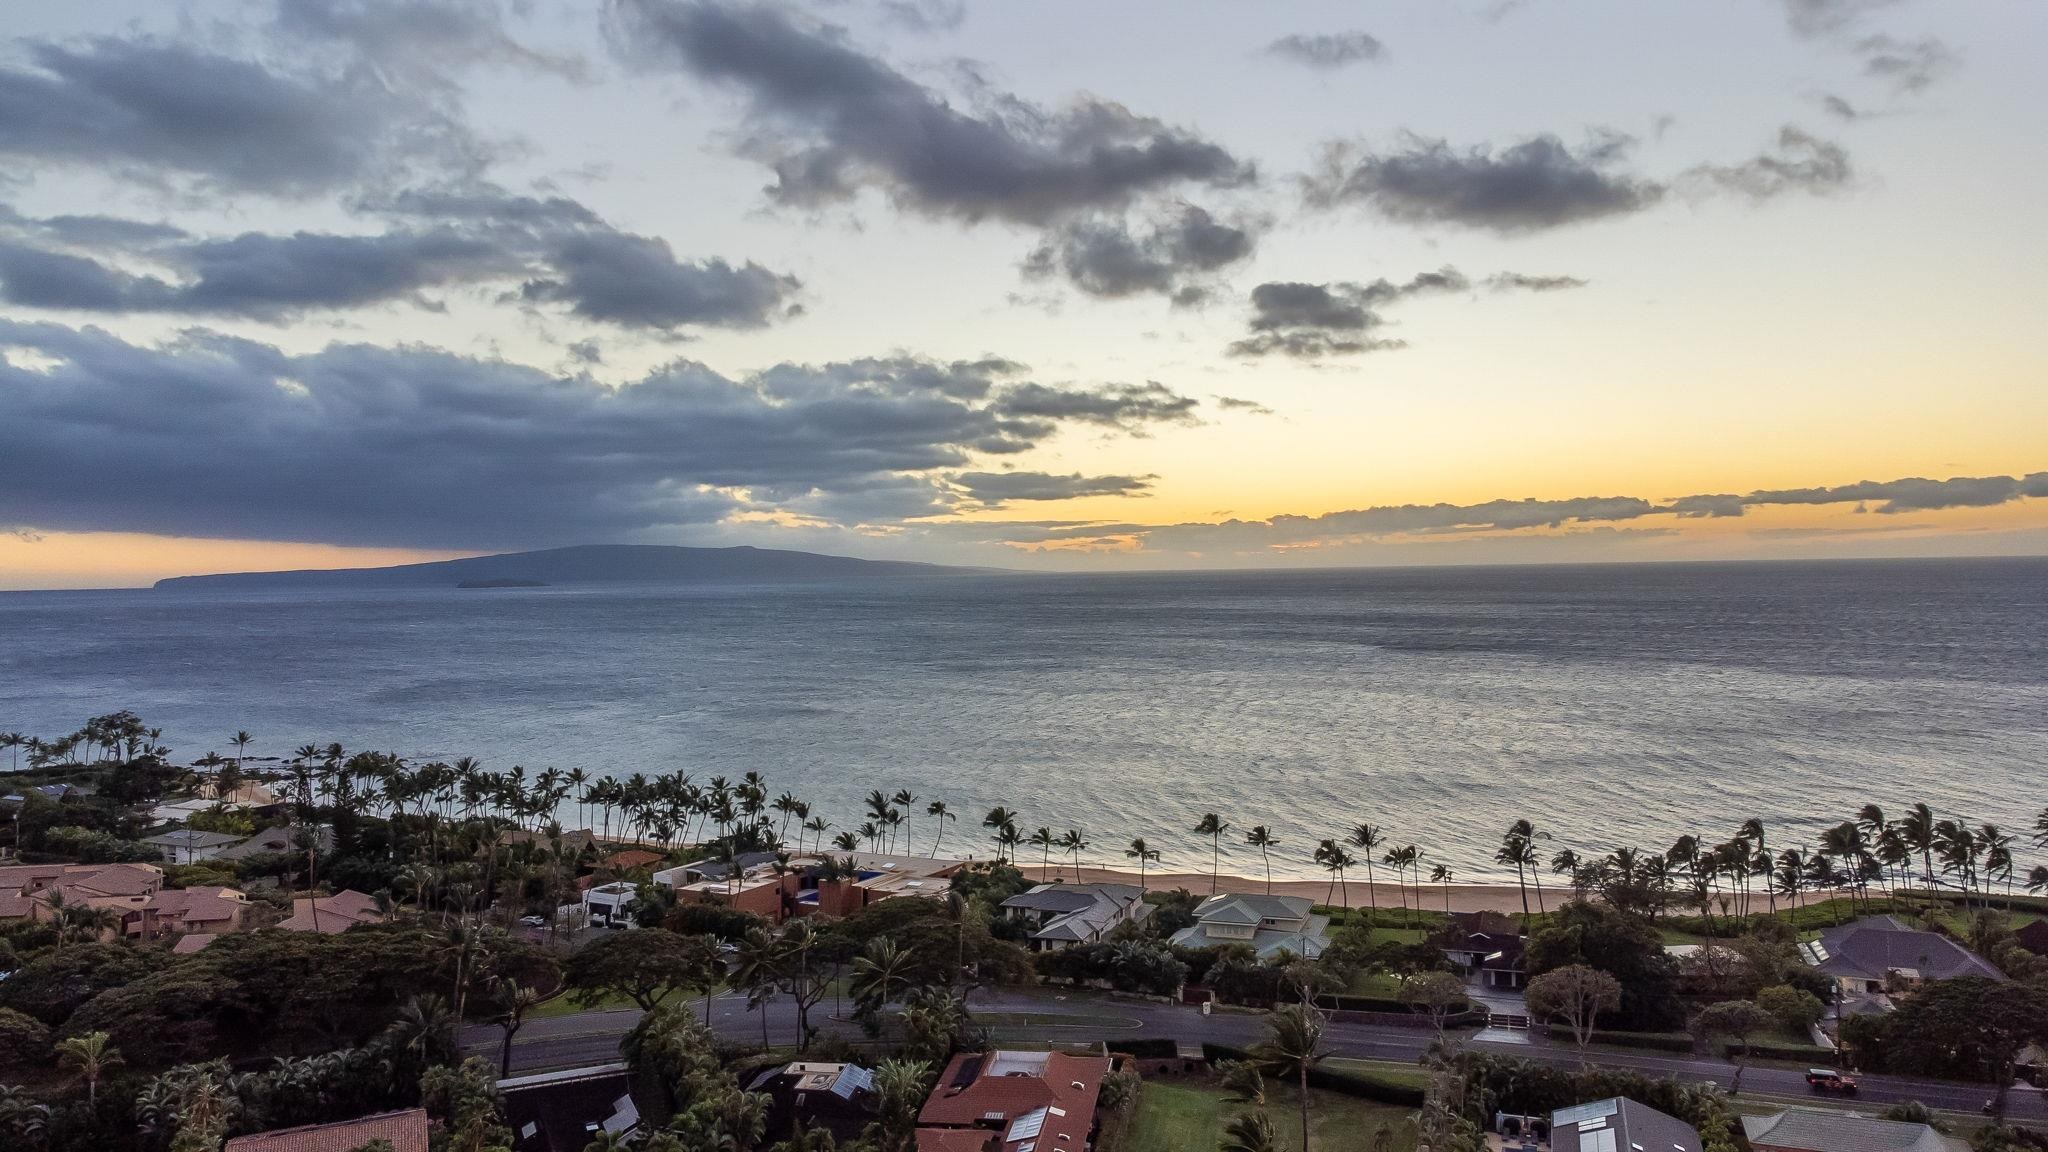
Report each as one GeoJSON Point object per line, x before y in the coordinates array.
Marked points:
{"type": "Point", "coordinates": [1916, 827]}
{"type": "Point", "coordinates": [1213, 826]}
{"type": "Point", "coordinates": [1144, 854]}
{"type": "Point", "coordinates": [1002, 824]}
{"type": "Point", "coordinates": [1074, 841]}
{"type": "Point", "coordinates": [757, 968]}
{"type": "Point", "coordinates": [1367, 839]}
{"type": "Point", "coordinates": [513, 1001]}
{"type": "Point", "coordinates": [1248, 1132]}
{"type": "Point", "coordinates": [1442, 874]}
{"type": "Point", "coordinates": [1045, 841]}
{"type": "Point", "coordinates": [879, 972]}
{"type": "Point", "coordinates": [1262, 838]}
{"type": "Point", "coordinates": [13, 741]}
{"type": "Point", "coordinates": [92, 1056]}
{"type": "Point", "coordinates": [1334, 859]}
{"type": "Point", "coordinates": [818, 825]}
{"type": "Point", "coordinates": [1294, 1048]}
{"type": "Point", "coordinates": [938, 812]}
{"type": "Point", "coordinates": [241, 741]}
{"type": "Point", "coordinates": [1401, 859]}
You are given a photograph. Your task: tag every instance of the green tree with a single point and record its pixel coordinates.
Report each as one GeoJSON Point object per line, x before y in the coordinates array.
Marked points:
{"type": "Point", "coordinates": [1248, 1132]}
{"type": "Point", "coordinates": [464, 1102]}
{"type": "Point", "coordinates": [643, 966]}
{"type": "Point", "coordinates": [24, 1041]}
{"type": "Point", "coordinates": [1738, 1020]}
{"type": "Point", "coordinates": [900, 1087]}
{"type": "Point", "coordinates": [1294, 1048]}
{"type": "Point", "coordinates": [91, 1056]}
{"type": "Point", "coordinates": [1795, 1008]}
{"type": "Point", "coordinates": [1576, 994]}
{"type": "Point", "coordinates": [1625, 947]}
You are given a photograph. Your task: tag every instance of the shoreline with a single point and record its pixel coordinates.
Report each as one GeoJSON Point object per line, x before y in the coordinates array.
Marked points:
{"type": "Point", "coordinates": [1467, 897]}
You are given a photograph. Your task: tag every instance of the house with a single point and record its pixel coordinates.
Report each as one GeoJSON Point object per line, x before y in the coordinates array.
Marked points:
{"type": "Point", "coordinates": [564, 1111]}
{"type": "Point", "coordinates": [245, 794]}
{"type": "Point", "coordinates": [27, 890]}
{"type": "Point", "coordinates": [1063, 915]}
{"type": "Point", "coordinates": [180, 811]}
{"type": "Point", "coordinates": [1268, 925]}
{"type": "Point", "coordinates": [698, 871]}
{"type": "Point", "coordinates": [2033, 936]}
{"type": "Point", "coordinates": [1871, 958]}
{"type": "Point", "coordinates": [329, 915]}
{"type": "Point", "coordinates": [1619, 1124]}
{"type": "Point", "coordinates": [404, 1131]}
{"type": "Point", "coordinates": [1486, 947]}
{"type": "Point", "coordinates": [1817, 1130]}
{"type": "Point", "coordinates": [54, 793]}
{"type": "Point", "coordinates": [630, 860]}
{"type": "Point", "coordinates": [855, 880]}
{"type": "Point", "coordinates": [277, 840]}
{"type": "Point", "coordinates": [611, 905]}
{"type": "Point", "coordinates": [199, 911]}
{"type": "Point", "coordinates": [838, 1098]}
{"type": "Point", "coordinates": [1006, 1101]}
{"type": "Point", "coordinates": [187, 846]}
{"type": "Point", "coordinates": [574, 842]}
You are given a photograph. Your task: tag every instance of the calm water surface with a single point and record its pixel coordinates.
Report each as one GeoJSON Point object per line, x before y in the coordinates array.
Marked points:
{"type": "Point", "coordinates": [1614, 704]}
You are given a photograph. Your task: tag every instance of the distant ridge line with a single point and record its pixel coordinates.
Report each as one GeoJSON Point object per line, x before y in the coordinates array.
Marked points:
{"type": "Point", "coordinates": [584, 564]}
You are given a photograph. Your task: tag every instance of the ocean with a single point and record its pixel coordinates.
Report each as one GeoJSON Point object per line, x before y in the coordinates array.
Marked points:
{"type": "Point", "coordinates": [1611, 705]}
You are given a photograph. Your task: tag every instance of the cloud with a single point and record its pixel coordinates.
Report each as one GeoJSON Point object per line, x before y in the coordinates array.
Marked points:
{"type": "Point", "coordinates": [148, 110]}
{"type": "Point", "coordinates": [829, 121]}
{"type": "Point", "coordinates": [1327, 49]}
{"type": "Point", "coordinates": [358, 444]}
{"type": "Point", "coordinates": [1817, 18]}
{"type": "Point", "coordinates": [1312, 321]}
{"type": "Point", "coordinates": [1125, 407]}
{"type": "Point", "coordinates": [561, 251]}
{"type": "Point", "coordinates": [1802, 163]}
{"type": "Point", "coordinates": [1103, 258]}
{"type": "Point", "coordinates": [1235, 404]}
{"type": "Point", "coordinates": [924, 15]}
{"type": "Point", "coordinates": [1906, 65]}
{"type": "Point", "coordinates": [1537, 184]}
{"type": "Point", "coordinates": [995, 489]}
{"type": "Point", "coordinates": [1913, 494]}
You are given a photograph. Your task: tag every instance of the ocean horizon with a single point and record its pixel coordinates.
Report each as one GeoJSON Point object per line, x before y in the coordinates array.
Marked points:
{"type": "Point", "coordinates": [1610, 703]}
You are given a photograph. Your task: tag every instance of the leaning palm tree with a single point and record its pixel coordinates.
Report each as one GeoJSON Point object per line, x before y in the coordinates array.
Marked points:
{"type": "Point", "coordinates": [1262, 838]}
{"type": "Point", "coordinates": [1367, 839]}
{"type": "Point", "coordinates": [1213, 826]}
{"type": "Point", "coordinates": [1248, 1132]}
{"type": "Point", "coordinates": [1002, 826]}
{"type": "Point", "coordinates": [1294, 1048]}
{"type": "Point", "coordinates": [1145, 854]}
{"type": "Point", "coordinates": [92, 1056]}
{"type": "Point", "coordinates": [1074, 840]}
{"type": "Point", "coordinates": [1442, 874]}
{"type": "Point", "coordinates": [938, 811]}
{"type": "Point", "coordinates": [1916, 827]}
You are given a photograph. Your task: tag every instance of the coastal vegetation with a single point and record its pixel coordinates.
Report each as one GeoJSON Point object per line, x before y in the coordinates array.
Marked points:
{"type": "Point", "coordinates": [121, 1043]}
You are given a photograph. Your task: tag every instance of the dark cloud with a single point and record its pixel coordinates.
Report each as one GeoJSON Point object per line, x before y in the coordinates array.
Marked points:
{"type": "Point", "coordinates": [1311, 321]}
{"type": "Point", "coordinates": [147, 110]}
{"type": "Point", "coordinates": [1815, 18]}
{"type": "Point", "coordinates": [994, 489]}
{"type": "Point", "coordinates": [355, 444]}
{"type": "Point", "coordinates": [1327, 49]}
{"type": "Point", "coordinates": [1104, 258]}
{"type": "Point", "coordinates": [560, 250]}
{"type": "Point", "coordinates": [1235, 404]}
{"type": "Point", "coordinates": [1906, 65]}
{"type": "Point", "coordinates": [831, 120]}
{"type": "Point", "coordinates": [1913, 494]}
{"type": "Point", "coordinates": [1128, 407]}
{"type": "Point", "coordinates": [1522, 282]}
{"type": "Point", "coordinates": [1843, 110]}
{"type": "Point", "coordinates": [636, 281]}
{"type": "Point", "coordinates": [1706, 506]}
{"type": "Point", "coordinates": [1534, 185]}
{"type": "Point", "coordinates": [1801, 163]}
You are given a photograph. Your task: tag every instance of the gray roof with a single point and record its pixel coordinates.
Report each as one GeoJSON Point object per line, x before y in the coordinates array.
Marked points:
{"type": "Point", "coordinates": [1231, 907]}
{"type": "Point", "coordinates": [1081, 912]}
{"type": "Point", "coordinates": [1813, 1130]}
{"type": "Point", "coordinates": [716, 869]}
{"type": "Point", "coordinates": [1267, 942]}
{"type": "Point", "coordinates": [270, 839]}
{"type": "Point", "coordinates": [1635, 1127]}
{"type": "Point", "coordinates": [187, 838]}
{"type": "Point", "coordinates": [1875, 946]}
{"type": "Point", "coordinates": [1052, 898]}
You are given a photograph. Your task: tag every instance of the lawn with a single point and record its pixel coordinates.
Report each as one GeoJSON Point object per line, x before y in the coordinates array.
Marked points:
{"type": "Point", "coordinates": [565, 1005]}
{"type": "Point", "coordinates": [1174, 1116]}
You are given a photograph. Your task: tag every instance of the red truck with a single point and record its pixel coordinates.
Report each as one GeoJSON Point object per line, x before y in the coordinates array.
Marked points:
{"type": "Point", "coordinates": [1829, 1082]}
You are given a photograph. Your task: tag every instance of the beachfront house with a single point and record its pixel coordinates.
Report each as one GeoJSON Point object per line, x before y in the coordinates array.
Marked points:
{"type": "Point", "coordinates": [279, 840]}
{"type": "Point", "coordinates": [1875, 958]}
{"type": "Point", "coordinates": [1818, 1130]}
{"type": "Point", "coordinates": [1484, 947]}
{"type": "Point", "coordinates": [1063, 915]}
{"type": "Point", "coordinates": [1013, 1102]}
{"type": "Point", "coordinates": [188, 846]}
{"type": "Point", "coordinates": [1619, 1124]}
{"type": "Point", "coordinates": [1268, 925]}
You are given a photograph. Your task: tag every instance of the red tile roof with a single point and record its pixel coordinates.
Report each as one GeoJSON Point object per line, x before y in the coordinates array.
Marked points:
{"type": "Point", "coordinates": [632, 858]}
{"type": "Point", "coordinates": [954, 1139]}
{"type": "Point", "coordinates": [406, 1132]}
{"type": "Point", "coordinates": [991, 1090]}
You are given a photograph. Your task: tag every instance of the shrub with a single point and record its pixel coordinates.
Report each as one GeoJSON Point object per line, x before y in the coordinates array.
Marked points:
{"type": "Point", "coordinates": [1795, 1008]}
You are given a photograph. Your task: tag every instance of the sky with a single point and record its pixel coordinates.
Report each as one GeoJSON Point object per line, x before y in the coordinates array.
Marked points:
{"type": "Point", "coordinates": [1050, 286]}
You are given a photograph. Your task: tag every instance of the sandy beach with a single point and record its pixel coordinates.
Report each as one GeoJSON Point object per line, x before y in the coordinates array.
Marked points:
{"type": "Point", "coordinates": [1463, 897]}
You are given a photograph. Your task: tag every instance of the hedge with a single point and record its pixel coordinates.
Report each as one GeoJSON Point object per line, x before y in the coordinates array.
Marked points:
{"type": "Point", "coordinates": [1661, 1041]}
{"type": "Point", "coordinates": [1337, 1002]}
{"type": "Point", "coordinates": [1146, 1048]}
{"type": "Point", "coordinates": [1354, 1084]}
{"type": "Point", "coordinates": [1802, 1053]}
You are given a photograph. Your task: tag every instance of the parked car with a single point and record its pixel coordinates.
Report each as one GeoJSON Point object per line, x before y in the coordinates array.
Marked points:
{"type": "Point", "coordinates": [534, 921]}
{"type": "Point", "coordinates": [1828, 1081]}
